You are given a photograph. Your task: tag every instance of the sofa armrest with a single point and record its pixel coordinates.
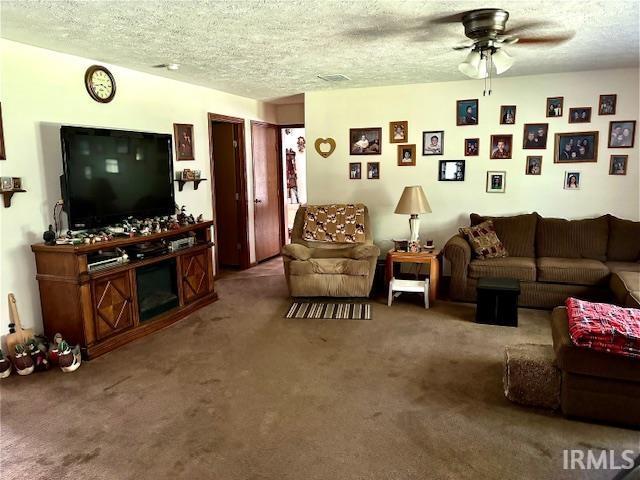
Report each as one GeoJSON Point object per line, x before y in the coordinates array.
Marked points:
{"type": "Point", "coordinates": [296, 251]}
{"type": "Point", "coordinates": [365, 251]}
{"type": "Point", "coordinates": [458, 252]}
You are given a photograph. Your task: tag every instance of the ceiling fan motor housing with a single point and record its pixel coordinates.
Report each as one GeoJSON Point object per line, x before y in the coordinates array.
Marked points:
{"type": "Point", "coordinates": [484, 25]}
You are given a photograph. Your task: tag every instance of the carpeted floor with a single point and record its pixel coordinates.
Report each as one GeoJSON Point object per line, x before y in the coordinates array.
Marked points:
{"type": "Point", "coordinates": [236, 391]}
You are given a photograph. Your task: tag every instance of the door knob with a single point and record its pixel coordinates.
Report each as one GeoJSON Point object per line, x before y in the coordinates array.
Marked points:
{"type": "Point", "coordinates": [257, 200]}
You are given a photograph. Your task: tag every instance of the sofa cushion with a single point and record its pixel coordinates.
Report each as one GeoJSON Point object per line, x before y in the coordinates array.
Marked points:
{"type": "Point", "coordinates": [623, 266]}
{"type": "Point", "coordinates": [585, 361]}
{"type": "Point", "coordinates": [334, 223]}
{"type": "Point", "coordinates": [484, 241]}
{"type": "Point", "coordinates": [624, 240]}
{"type": "Point", "coordinates": [624, 285]}
{"type": "Point", "coordinates": [517, 233]}
{"type": "Point", "coordinates": [575, 271]}
{"type": "Point", "coordinates": [557, 237]}
{"type": "Point", "coordinates": [342, 266]}
{"type": "Point", "coordinates": [520, 268]}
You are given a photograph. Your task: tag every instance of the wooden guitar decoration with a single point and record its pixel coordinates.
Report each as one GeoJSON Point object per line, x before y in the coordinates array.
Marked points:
{"type": "Point", "coordinates": [18, 334]}
{"type": "Point", "coordinates": [321, 146]}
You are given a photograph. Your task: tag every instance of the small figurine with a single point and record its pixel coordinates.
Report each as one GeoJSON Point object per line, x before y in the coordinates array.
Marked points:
{"type": "Point", "coordinates": [5, 366]}
{"type": "Point", "coordinates": [191, 220]}
{"type": "Point", "coordinates": [69, 359]}
{"type": "Point", "coordinates": [22, 360]}
{"type": "Point", "coordinates": [199, 219]}
{"type": "Point", "coordinates": [38, 353]}
{"type": "Point", "coordinates": [54, 348]}
{"type": "Point", "coordinates": [49, 236]}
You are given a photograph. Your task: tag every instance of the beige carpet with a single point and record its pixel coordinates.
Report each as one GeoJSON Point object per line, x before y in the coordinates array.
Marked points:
{"type": "Point", "coordinates": [238, 392]}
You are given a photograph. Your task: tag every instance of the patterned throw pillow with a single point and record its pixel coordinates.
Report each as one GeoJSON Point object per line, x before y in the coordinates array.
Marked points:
{"type": "Point", "coordinates": [484, 241]}
{"type": "Point", "coordinates": [334, 223]}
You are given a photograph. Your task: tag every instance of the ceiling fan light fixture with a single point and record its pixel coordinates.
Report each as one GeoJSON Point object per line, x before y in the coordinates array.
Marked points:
{"type": "Point", "coordinates": [474, 66]}
{"type": "Point", "coordinates": [502, 61]}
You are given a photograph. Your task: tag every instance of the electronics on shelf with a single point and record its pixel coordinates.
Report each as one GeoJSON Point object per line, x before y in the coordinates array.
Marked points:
{"type": "Point", "coordinates": [181, 243]}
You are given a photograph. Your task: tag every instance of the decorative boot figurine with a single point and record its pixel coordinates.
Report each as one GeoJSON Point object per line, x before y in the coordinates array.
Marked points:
{"type": "Point", "coordinates": [68, 359]}
{"type": "Point", "coordinates": [38, 354]}
{"type": "Point", "coordinates": [22, 360]}
{"type": "Point", "coordinates": [5, 366]}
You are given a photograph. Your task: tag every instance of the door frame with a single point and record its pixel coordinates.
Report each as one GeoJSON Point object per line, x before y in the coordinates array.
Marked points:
{"type": "Point", "coordinates": [241, 171]}
{"type": "Point", "coordinates": [280, 185]}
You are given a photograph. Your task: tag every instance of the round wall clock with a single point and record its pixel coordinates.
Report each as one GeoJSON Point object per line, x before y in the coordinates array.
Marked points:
{"type": "Point", "coordinates": [100, 84]}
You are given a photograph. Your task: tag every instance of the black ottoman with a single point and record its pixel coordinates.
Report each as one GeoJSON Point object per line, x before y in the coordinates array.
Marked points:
{"type": "Point", "coordinates": [498, 301]}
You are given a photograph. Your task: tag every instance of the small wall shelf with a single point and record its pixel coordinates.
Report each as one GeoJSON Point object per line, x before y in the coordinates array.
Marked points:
{"type": "Point", "coordinates": [196, 183]}
{"type": "Point", "coordinates": [7, 194]}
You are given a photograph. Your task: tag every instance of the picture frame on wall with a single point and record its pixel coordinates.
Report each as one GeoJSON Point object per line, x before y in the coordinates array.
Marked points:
{"type": "Point", "coordinates": [471, 147]}
{"type": "Point", "coordinates": [555, 107]}
{"type": "Point", "coordinates": [580, 115]}
{"type": "Point", "coordinates": [622, 134]}
{"type": "Point", "coordinates": [496, 181]}
{"type": "Point", "coordinates": [467, 112]}
{"type": "Point", "coordinates": [399, 132]}
{"type": "Point", "coordinates": [406, 155]}
{"type": "Point", "coordinates": [576, 147]}
{"type": "Point", "coordinates": [3, 153]}
{"type": "Point", "coordinates": [618, 164]}
{"type": "Point", "coordinates": [572, 180]}
{"type": "Point", "coordinates": [535, 136]}
{"type": "Point", "coordinates": [501, 147]}
{"type": "Point", "coordinates": [365, 141]}
{"type": "Point", "coordinates": [355, 171]}
{"type": "Point", "coordinates": [183, 137]}
{"type": "Point", "coordinates": [607, 104]}
{"type": "Point", "coordinates": [451, 170]}
{"type": "Point", "coordinates": [533, 165]}
{"type": "Point", "coordinates": [373, 170]}
{"type": "Point", "coordinates": [433, 142]}
{"type": "Point", "coordinates": [507, 114]}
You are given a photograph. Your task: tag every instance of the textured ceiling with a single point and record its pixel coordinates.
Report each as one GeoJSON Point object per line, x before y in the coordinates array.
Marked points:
{"type": "Point", "coordinates": [272, 49]}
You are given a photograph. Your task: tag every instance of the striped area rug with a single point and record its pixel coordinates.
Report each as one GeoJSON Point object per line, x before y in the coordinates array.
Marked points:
{"type": "Point", "coordinates": [346, 311]}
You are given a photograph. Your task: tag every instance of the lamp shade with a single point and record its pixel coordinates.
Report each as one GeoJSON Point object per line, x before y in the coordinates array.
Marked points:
{"type": "Point", "coordinates": [502, 61]}
{"type": "Point", "coordinates": [413, 201]}
{"type": "Point", "coordinates": [474, 66]}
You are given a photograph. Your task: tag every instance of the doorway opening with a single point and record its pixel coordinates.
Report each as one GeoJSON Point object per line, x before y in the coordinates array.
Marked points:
{"type": "Point", "coordinates": [294, 171]}
{"type": "Point", "coordinates": [229, 192]}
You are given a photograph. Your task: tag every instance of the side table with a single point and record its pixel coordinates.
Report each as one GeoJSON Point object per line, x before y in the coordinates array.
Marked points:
{"type": "Point", "coordinates": [432, 257]}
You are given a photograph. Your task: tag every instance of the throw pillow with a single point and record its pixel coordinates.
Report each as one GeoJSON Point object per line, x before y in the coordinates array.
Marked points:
{"type": "Point", "coordinates": [484, 241]}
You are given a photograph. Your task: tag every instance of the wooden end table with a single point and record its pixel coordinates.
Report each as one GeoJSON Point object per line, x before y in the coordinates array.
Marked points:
{"type": "Point", "coordinates": [432, 257]}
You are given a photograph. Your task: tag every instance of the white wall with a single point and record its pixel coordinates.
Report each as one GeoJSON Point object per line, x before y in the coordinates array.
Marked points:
{"type": "Point", "coordinates": [432, 107]}
{"type": "Point", "coordinates": [290, 113]}
{"type": "Point", "coordinates": [41, 90]}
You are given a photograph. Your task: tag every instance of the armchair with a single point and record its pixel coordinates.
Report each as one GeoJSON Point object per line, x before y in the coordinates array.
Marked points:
{"type": "Point", "coordinates": [329, 268]}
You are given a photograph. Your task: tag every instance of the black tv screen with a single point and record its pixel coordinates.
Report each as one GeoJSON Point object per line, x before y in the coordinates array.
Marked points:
{"type": "Point", "coordinates": [113, 174]}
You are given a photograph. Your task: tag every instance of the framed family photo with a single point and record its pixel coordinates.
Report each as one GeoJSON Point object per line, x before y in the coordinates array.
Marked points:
{"type": "Point", "coordinates": [501, 146]}
{"type": "Point", "coordinates": [535, 135]}
{"type": "Point", "coordinates": [618, 164]}
{"type": "Point", "coordinates": [622, 134]}
{"type": "Point", "coordinates": [365, 141]}
{"type": "Point", "coordinates": [496, 182]}
{"type": "Point", "coordinates": [534, 165]}
{"type": "Point", "coordinates": [451, 171]}
{"type": "Point", "coordinates": [576, 147]}
{"type": "Point", "coordinates": [373, 170]}
{"type": "Point", "coordinates": [555, 106]}
{"type": "Point", "coordinates": [355, 171]}
{"type": "Point", "coordinates": [471, 147]}
{"type": "Point", "coordinates": [580, 115]}
{"type": "Point", "coordinates": [572, 180]}
{"type": "Point", "coordinates": [433, 143]}
{"type": "Point", "coordinates": [507, 114]}
{"type": "Point", "coordinates": [183, 134]}
{"type": "Point", "coordinates": [406, 155]}
{"type": "Point", "coordinates": [467, 112]}
{"type": "Point", "coordinates": [607, 104]}
{"type": "Point", "coordinates": [399, 132]}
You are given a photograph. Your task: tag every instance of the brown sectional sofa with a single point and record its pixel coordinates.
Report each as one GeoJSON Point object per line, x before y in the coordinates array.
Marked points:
{"type": "Point", "coordinates": [596, 259]}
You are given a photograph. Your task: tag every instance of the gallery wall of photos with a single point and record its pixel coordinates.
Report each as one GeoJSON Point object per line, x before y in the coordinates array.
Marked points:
{"type": "Point", "coordinates": [570, 148]}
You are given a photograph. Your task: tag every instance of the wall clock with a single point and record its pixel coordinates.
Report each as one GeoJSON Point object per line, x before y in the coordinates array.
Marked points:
{"type": "Point", "coordinates": [100, 84]}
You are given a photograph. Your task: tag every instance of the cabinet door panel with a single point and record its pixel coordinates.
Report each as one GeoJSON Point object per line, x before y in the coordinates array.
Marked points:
{"type": "Point", "coordinates": [112, 304]}
{"type": "Point", "coordinates": [195, 279]}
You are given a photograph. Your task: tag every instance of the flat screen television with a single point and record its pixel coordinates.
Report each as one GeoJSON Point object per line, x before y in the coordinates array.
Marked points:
{"type": "Point", "coordinates": [113, 174]}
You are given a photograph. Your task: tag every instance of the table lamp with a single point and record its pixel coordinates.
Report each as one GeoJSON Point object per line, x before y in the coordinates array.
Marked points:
{"type": "Point", "coordinates": [413, 202]}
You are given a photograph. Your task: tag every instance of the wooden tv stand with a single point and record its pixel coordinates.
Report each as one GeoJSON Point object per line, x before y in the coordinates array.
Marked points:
{"type": "Point", "coordinates": [99, 309]}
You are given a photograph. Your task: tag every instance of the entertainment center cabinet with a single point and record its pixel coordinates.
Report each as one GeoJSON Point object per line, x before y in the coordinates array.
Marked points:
{"type": "Point", "coordinates": [104, 309]}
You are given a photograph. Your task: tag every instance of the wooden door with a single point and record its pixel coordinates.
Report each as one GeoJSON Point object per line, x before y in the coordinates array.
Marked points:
{"type": "Point", "coordinates": [113, 309]}
{"type": "Point", "coordinates": [194, 275]}
{"type": "Point", "coordinates": [227, 194]}
{"type": "Point", "coordinates": [266, 188]}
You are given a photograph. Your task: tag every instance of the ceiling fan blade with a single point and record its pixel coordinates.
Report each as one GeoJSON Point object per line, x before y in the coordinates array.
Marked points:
{"type": "Point", "coordinates": [442, 19]}
{"type": "Point", "coordinates": [464, 46]}
{"type": "Point", "coordinates": [546, 40]}
{"type": "Point", "coordinates": [520, 27]}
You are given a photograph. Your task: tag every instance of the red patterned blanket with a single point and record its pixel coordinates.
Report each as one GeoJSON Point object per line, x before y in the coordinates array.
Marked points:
{"type": "Point", "coordinates": [603, 327]}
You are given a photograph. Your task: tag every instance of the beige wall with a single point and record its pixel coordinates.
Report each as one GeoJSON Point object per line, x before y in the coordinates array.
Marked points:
{"type": "Point", "coordinates": [41, 90]}
{"type": "Point", "coordinates": [432, 107]}
{"type": "Point", "coordinates": [290, 114]}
